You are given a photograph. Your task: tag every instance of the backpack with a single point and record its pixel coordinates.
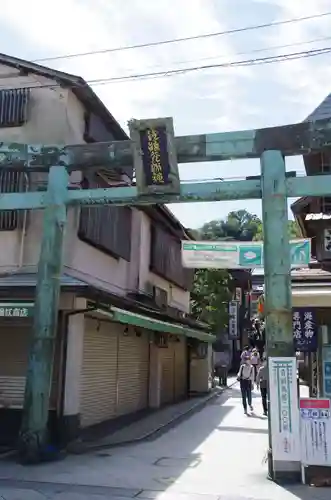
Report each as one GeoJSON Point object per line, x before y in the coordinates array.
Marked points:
{"type": "Point", "coordinates": [240, 377]}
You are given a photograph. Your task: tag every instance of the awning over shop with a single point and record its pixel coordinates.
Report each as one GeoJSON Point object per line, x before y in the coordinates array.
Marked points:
{"type": "Point", "coordinates": [311, 296]}
{"type": "Point", "coordinates": [139, 320]}
{"type": "Point", "coordinates": [307, 295]}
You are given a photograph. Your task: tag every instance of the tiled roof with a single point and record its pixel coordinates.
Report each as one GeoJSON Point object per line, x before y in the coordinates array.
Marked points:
{"type": "Point", "coordinates": [322, 111]}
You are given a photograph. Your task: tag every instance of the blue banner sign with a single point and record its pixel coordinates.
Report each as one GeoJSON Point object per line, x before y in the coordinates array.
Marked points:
{"type": "Point", "coordinates": [304, 329]}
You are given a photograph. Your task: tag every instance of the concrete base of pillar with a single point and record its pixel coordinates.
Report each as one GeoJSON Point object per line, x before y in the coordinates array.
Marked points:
{"type": "Point", "coordinates": [286, 472]}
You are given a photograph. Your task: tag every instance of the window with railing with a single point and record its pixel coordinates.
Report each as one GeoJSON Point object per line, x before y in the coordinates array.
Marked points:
{"type": "Point", "coordinates": [14, 107]}
{"type": "Point", "coordinates": [12, 181]}
{"type": "Point", "coordinates": [166, 259]}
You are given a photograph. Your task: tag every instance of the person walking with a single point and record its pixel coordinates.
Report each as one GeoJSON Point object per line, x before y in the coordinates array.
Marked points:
{"type": "Point", "coordinates": [255, 361]}
{"type": "Point", "coordinates": [222, 362]}
{"type": "Point", "coordinates": [245, 353]}
{"type": "Point", "coordinates": [246, 379]}
{"type": "Point", "coordinates": [262, 384]}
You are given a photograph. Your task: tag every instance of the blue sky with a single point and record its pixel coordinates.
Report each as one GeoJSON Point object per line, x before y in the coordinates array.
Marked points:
{"type": "Point", "coordinates": [207, 101]}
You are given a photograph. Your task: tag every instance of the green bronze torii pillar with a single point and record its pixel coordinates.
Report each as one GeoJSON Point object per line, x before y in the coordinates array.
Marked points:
{"type": "Point", "coordinates": [155, 152]}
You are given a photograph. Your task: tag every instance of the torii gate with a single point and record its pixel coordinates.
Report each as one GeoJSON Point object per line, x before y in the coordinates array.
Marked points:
{"type": "Point", "coordinates": [155, 153]}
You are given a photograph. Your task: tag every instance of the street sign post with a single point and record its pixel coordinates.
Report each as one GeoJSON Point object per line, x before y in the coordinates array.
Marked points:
{"type": "Point", "coordinates": [284, 410]}
{"type": "Point", "coordinates": [237, 254]}
{"type": "Point", "coordinates": [315, 433]}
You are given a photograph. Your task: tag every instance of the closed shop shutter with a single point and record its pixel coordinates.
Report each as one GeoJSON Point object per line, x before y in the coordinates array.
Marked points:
{"type": "Point", "coordinates": [180, 368]}
{"type": "Point", "coordinates": [98, 380]}
{"type": "Point", "coordinates": [167, 374]}
{"type": "Point", "coordinates": [15, 337]}
{"type": "Point", "coordinates": [133, 372]}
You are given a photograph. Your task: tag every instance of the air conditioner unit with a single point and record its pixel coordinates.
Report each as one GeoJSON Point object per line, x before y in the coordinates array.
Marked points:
{"type": "Point", "coordinates": [160, 297]}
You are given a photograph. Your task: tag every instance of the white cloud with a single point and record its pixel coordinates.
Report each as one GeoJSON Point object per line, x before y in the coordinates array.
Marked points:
{"type": "Point", "coordinates": [71, 26]}
{"type": "Point", "coordinates": [305, 81]}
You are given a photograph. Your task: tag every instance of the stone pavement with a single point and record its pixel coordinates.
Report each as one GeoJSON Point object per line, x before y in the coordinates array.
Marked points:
{"type": "Point", "coordinates": [152, 425]}
{"type": "Point", "coordinates": [216, 454]}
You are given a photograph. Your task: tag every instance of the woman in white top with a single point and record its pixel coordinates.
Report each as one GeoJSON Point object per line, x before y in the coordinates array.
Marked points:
{"type": "Point", "coordinates": [246, 379]}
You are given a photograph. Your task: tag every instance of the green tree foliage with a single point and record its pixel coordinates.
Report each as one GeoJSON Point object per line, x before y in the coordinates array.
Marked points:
{"type": "Point", "coordinates": [240, 225]}
{"type": "Point", "coordinates": [294, 231]}
{"type": "Point", "coordinates": [211, 286]}
{"type": "Point", "coordinates": [211, 292]}
{"type": "Point", "coordinates": [210, 296]}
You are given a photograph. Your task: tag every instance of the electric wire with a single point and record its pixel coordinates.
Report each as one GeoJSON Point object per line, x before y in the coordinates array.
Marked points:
{"type": "Point", "coordinates": [178, 71]}
{"type": "Point", "coordinates": [183, 39]}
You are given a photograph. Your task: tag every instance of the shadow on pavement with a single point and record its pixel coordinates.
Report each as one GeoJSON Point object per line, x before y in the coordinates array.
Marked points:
{"type": "Point", "coordinates": [303, 492]}
{"type": "Point", "coordinates": [143, 470]}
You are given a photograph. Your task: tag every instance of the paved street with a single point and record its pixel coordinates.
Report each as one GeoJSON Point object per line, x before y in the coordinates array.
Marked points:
{"type": "Point", "coordinates": [218, 453]}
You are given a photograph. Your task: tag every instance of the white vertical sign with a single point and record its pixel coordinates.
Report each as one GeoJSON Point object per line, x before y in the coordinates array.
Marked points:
{"type": "Point", "coordinates": [284, 409]}
{"type": "Point", "coordinates": [315, 432]}
{"type": "Point", "coordinates": [233, 320]}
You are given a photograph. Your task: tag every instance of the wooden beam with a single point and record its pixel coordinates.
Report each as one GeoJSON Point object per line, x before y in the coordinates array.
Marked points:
{"type": "Point", "coordinates": [319, 185]}
{"type": "Point", "coordinates": [190, 192]}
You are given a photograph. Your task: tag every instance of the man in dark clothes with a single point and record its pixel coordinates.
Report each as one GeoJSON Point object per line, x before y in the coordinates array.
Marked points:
{"type": "Point", "coordinates": [262, 383]}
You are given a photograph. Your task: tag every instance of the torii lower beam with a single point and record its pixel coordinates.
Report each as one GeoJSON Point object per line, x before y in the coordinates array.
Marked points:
{"type": "Point", "coordinates": [190, 192]}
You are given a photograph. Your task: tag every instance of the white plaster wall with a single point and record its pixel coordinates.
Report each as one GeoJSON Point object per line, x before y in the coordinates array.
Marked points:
{"type": "Point", "coordinates": [74, 361]}
{"type": "Point", "coordinates": [95, 267]}
{"type": "Point", "coordinates": [55, 117]}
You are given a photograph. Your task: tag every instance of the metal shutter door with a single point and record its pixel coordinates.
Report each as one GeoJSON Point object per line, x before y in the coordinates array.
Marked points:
{"type": "Point", "coordinates": [98, 380]}
{"type": "Point", "coordinates": [133, 372]}
{"type": "Point", "coordinates": [167, 374]}
{"type": "Point", "coordinates": [180, 368]}
{"type": "Point", "coordinates": [15, 339]}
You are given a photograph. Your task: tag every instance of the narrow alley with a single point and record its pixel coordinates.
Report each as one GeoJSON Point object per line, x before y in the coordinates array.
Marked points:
{"type": "Point", "coordinates": [217, 453]}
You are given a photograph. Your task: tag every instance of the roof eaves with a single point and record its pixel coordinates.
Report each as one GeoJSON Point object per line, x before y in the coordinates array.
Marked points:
{"type": "Point", "coordinates": [78, 85]}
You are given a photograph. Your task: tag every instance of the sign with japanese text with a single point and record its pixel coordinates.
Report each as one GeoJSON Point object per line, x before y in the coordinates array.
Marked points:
{"type": "Point", "coordinates": [155, 157]}
{"type": "Point", "coordinates": [305, 329]}
{"type": "Point", "coordinates": [315, 433]}
{"type": "Point", "coordinates": [285, 437]}
{"type": "Point", "coordinates": [233, 320]}
{"type": "Point", "coordinates": [237, 254]}
{"type": "Point", "coordinates": [16, 309]}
